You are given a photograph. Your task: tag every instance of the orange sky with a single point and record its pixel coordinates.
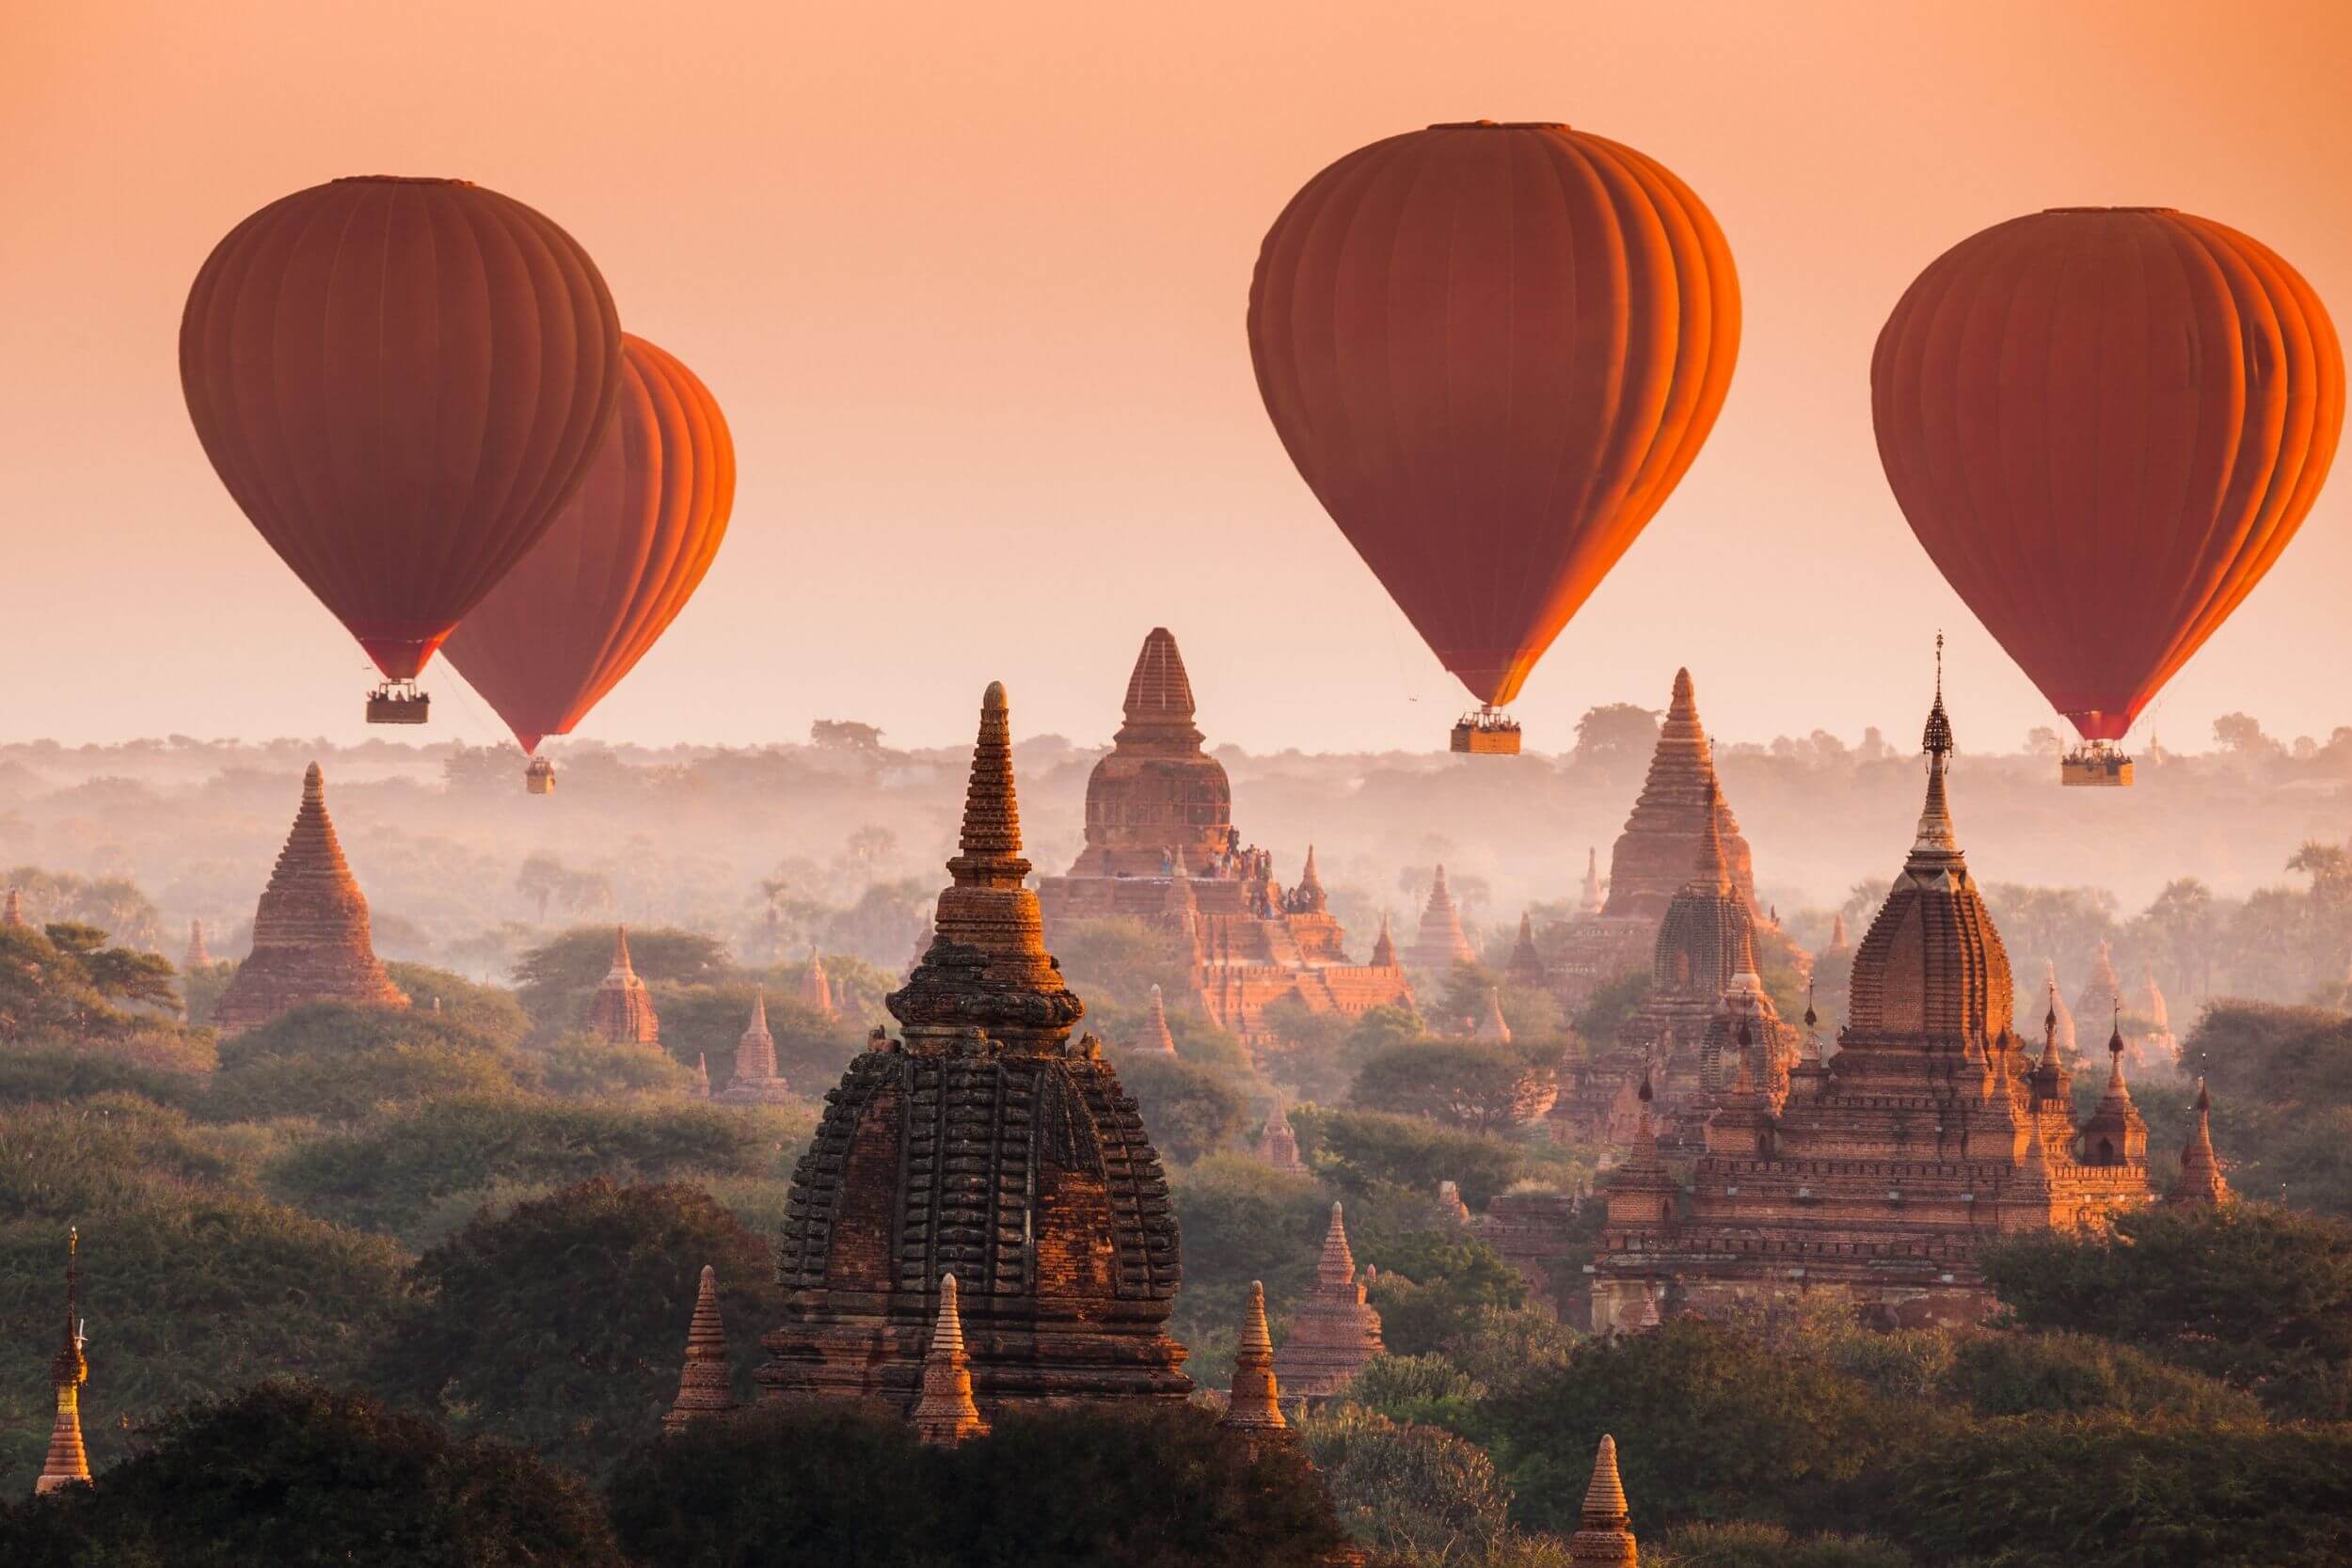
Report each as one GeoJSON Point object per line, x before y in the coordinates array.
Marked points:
{"type": "Point", "coordinates": [970, 282]}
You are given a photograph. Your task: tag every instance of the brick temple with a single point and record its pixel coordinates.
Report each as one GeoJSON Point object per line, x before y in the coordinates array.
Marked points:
{"type": "Point", "coordinates": [620, 1011]}
{"type": "Point", "coordinates": [311, 941]}
{"type": "Point", "coordinates": [1880, 1172]}
{"type": "Point", "coordinates": [1651, 862]}
{"type": "Point", "coordinates": [1334, 1330]}
{"type": "Point", "coordinates": [755, 1079]}
{"type": "Point", "coordinates": [1161, 847]}
{"type": "Point", "coordinates": [989, 1145]}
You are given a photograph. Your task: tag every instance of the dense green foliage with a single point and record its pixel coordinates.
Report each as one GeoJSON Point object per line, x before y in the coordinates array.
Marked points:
{"type": "Point", "coordinates": [1458, 1083]}
{"type": "Point", "coordinates": [818, 1482]}
{"type": "Point", "coordinates": [1361, 1151]}
{"type": "Point", "coordinates": [1190, 1110]}
{"type": "Point", "coordinates": [341, 1064]}
{"type": "Point", "coordinates": [582, 1299]}
{"type": "Point", "coordinates": [63, 982]}
{"type": "Point", "coordinates": [289, 1474]}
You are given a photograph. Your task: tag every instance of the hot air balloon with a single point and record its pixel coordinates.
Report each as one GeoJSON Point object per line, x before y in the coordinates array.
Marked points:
{"type": "Point", "coordinates": [399, 380]}
{"type": "Point", "coordinates": [619, 563]}
{"type": "Point", "coordinates": [1492, 352]}
{"type": "Point", "coordinates": [2104, 423]}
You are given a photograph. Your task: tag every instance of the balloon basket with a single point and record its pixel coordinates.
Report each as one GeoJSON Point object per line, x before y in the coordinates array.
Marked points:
{"type": "Point", "coordinates": [2097, 765]}
{"type": "Point", "coordinates": [539, 778]}
{"type": "Point", "coordinates": [1486, 733]}
{"type": "Point", "coordinates": [398, 703]}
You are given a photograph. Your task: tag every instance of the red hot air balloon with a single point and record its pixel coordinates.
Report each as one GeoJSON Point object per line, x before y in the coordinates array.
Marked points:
{"type": "Point", "coordinates": [579, 610]}
{"type": "Point", "coordinates": [399, 380]}
{"type": "Point", "coordinates": [1491, 351]}
{"type": "Point", "coordinates": [2104, 423]}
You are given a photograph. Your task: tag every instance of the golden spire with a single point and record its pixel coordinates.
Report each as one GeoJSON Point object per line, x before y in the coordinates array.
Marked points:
{"type": "Point", "coordinates": [1255, 1406]}
{"type": "Point", "coordinates": [1604, 1537]}
{"type": "Point", "coordinates": [1337, 1266]}
{"type": "Point", "coordinates": [707, 1385]}
{"type": "Point", "coordinates": [944, 1412]}
{"type": "Point", "coordinates": [66, 1462]}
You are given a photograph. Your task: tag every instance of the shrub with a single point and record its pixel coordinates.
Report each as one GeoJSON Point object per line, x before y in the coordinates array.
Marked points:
{"type": "Point", "coordinates": [1360, 1151]}
{"type": "Point", "coordinates": [1187, 1111]}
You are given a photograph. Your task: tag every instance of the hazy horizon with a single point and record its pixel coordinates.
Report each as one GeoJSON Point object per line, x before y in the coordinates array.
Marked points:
{"type": "Point", "coordinates": [971, 288]}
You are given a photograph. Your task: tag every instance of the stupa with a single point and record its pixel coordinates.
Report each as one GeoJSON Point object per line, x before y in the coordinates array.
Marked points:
{"type": "Point", "coordinates": [1832, 970]}
{"type": "Point", "coordinates": [1278, 1144]}
{"type": "Point", "coordinates": [2061, 1015]}
{"type": "Point", "coordinates": [2201, 1180]}
{"type": "Point", "coordinates": [1334, 1332]}
{"type": "Point", "coordinates": [945, 1412]}
{"type": "Point", "coordinates": [1161, 847]}
{"type": "Point", "coordinates": [1930, 1133]}
{"type": "Point", "coordinates": [1384, 949]}
{"type": "Point", "coordinates": [2151, 1046]}
{"type": "Point", "coordinates": [1253, 1410]}
{"type": "Point", "coordinates": [311, 935]}
{"type": "Point", "coordinates": [199, 956]}
{"type": "Point", "coordinates": [755, 1079]}
{"type": "Point", "coordinates": [12, 912]}
{"type": "Point", "coordinates": [816, 985]}
{"type": "Point", "coordinates": [621, 1012]}
{"type": "Point", "coordinates": [67, 1463]}
{"type": "Point", "coordinates": [1492, 1029]}
{"type": "Point", "coordinates": [707, 1385]}
{"type": "Point", "coordinates": [700, 1087]}
{"type": "Point", "coordinates": [1604, 1536]}
{"type": "Point", "coordinates": [1439, 947]}
{"type": "Point", "coordinates": [1157, 1040]}
{"type": "Point", "coordinates": [1589, 900]}
{"type": "Point", "coordinates": [2104, 990]}
{"type": "Point", "coordinates": [1526, 967]}
{"type": "Point", "coordinates": [990, 1145]}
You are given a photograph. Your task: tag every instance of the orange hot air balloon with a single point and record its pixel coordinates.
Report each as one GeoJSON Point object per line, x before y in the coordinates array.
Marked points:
{"type": "Point", "coordinates": [622, 558]}
{"type": "Point", "coordinates": [399, 380]}
{"type": "Point", "coordinates": [2104, 423]}
{"type": "Point", "coordinates": [1491, 351]}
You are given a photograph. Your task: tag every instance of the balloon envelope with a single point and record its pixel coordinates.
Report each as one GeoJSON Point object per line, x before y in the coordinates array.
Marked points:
{"type": "Point", "coordinates": [399, 381]}
{"type": "Point", "coordinates": [2104, 424]}
{"type": "Point", "coordinates": [1491, 351]}
{"type": "Point", "coordinates": [619, 561]}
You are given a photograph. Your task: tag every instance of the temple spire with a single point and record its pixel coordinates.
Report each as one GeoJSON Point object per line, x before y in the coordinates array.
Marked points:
{"type": "Point", "coordinates": [1492, 1028]}
{"type": "Point", "coordinates": [67, 1463]}
{"type": "Point", "coordinates": [1337, 1266]}
{"type": "Point", "coordinates": [1155, 1036]}
{"type": "Point", "coordinates": [944, 1412]}
{"type": "Point", "coordinates": [1938, 845]}
{"type": "Point", "coordinates": [199, 956]}
{"type": "Point", "coordinates": [1713, 869]}
{"type": "Point", "coordinates": [621, 1012]}
{"type": "Point", "coordinates": [1604, 1536]}
{"type": "Point", "coordinates": [13, 912]}
{"type": "Point", "coordinates": [2201, 1180]}
{"type": "Point", "coordinates": [1255, 1406]}
{"type": "Point", "coordinates": [1527, 960]}
{"type": "Point", "coordinates": [1590, 902]}
{"type": "Point", "coordinates": [816, 985]}
{"type": "Point", "coordinates": [1384, 945]}
{"type": "Point", "coordinates": [706, 1384]}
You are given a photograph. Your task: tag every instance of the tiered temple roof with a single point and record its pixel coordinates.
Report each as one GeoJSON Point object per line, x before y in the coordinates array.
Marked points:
{"type": "Point", "coordinates": [1589, 901]}
{"type": "Point", "coordinates": [755, 1079]}
{"type": "Point", "coordinates": [1334, 1332]}
{"type": "Point", "coordinates": [706, 1384]}
{"type": "Point", "coordinates": [311, 935]}
{"type": "Point", "coordinates": [1161, 847]}
{"type": "Point", "coordinates": [1651, 860]}
{"type": "Point", "coordinates": [199, 956]}
{"type": "Point", "coordinates": [2201, 1180]}
{"type": "Point", "coordinates": [621, 1012]}
{"type": "Point", "coordinates": [1439, 946]}
{"type": "Point", "coordinates": [2104, 990]}
{"type": "Point", "coordinates": [989, 1145]}
{"type": "Point", "coordinates": [66, 1463]}
{"type": "Point", "coordinates": [1929, 1134]}
{"type": "Point", "coordinates": [1527, 964]}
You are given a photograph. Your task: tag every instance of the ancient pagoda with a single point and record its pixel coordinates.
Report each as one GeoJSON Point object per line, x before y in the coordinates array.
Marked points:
{"type": "Point", "coordinates": [1161, 847]}
{"type": "Point", "coordinates": [990, 1145]}
{"type": "Point", "coordinates": [2200, 1181]}
{"type": "Point", "coordinates": [2061, 1016]}
{"type": "Point", "coordinates": [12, 912]}
{"type": "Point", "coordinates": [1704, 944]}
{"type": "Point", "coordinates": [1278, 1144]}
{"type": "Point", "coordinates": [1334, 1331]}
{"type": "Point", "coordinates": [311, 937]}
{"type": "Point", "coordinates": [1930, 1133]}
{"type": "Point", "coordinates": [1492, 1028]}
{"type": "Point", "coordinates": [816, 985]}
{"type": "Point", "coordinates": [1651, 860]}
{"type": "Point", "coordinates": [67, 1463]}
{"type": "Point", "coordinates": [199, 956]}
{"type": "Point", "coordinates": [705, 1387]}
{"type": "Point", "coordinates": [1439, 947]}
{"type": "Point", "coordinates": [1526, 968]}
{"type": "Point", "coordinates": [2103, 993]}
{"type": "Point", "coordinates": [1604, 1536]}
{"type": "Point", "coordinates": [1384, 951]}
{"type": "Point", "coordinates": [1832, 970]}
{"type": "Point", "coordinates": [755, 1079]}
{"type": "Point", "coordinates": [944, 1411]}
{"type": "Point", "coordinates": [1589, 901]}
{"type": "Point", "coordinates": [1157, 1040]}
{"type": "Point", "coordinates": [621, 1012]}
{"type": "Point", "coordinates": [1253, 1410]}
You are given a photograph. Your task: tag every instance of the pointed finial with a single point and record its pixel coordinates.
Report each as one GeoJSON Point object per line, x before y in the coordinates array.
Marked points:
{"type": "Point", "coordinates": [991, 839]}
{"type": "Point", "coordinates": [313, 784]}
{"type": "Point", "coordinates": [1255, 1404]}
{"type": "Point", "coordinates": [1812, 1018]}
{"type": "Point", "coordinates": [944, 1412]}
{"type": "Point", "coordinates": [1937, 739]}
